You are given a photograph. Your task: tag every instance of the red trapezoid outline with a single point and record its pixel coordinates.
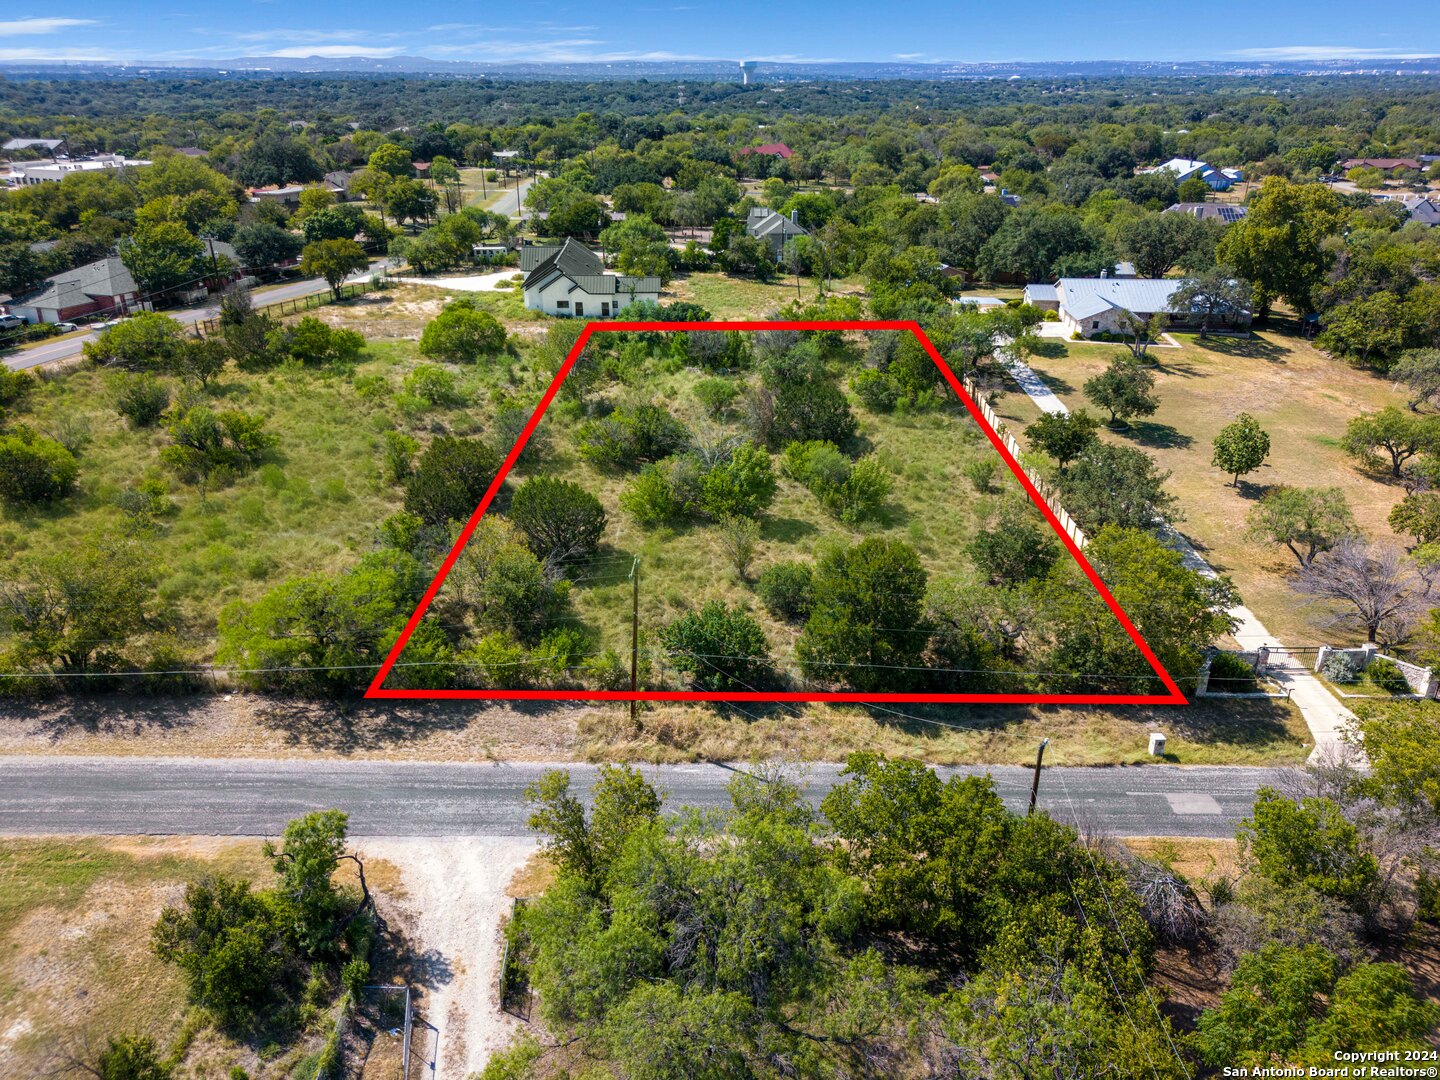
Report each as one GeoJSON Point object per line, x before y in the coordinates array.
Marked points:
{"type": "Point", "coordinates": [377, 690]}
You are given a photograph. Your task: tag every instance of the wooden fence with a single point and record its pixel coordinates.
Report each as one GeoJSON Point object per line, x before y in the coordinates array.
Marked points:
{"type": "Point", "coordinates": [1047, 491]}
{"type": "Point", "coordinates": [297, 304]}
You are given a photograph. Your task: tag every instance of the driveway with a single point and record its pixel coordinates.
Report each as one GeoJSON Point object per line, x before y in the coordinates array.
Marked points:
{"type": "Point", "coordinates": [466, 282]}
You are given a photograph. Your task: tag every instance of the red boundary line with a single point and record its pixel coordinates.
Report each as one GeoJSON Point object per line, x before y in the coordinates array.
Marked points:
{"type": "Point", "coordinates": [377, 690]}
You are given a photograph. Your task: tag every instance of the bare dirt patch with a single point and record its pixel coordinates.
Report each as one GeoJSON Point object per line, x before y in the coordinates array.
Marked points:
{"type": "Point", "coordinates": [456, 901]}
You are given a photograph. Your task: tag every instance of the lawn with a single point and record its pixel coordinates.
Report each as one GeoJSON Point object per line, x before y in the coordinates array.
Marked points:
{"type": "Point", "coordinates": [1302, 398]}
{"type": "Point", "coordinates": [75, 963]}
{"type": "Point", "coordinates": [727, 297]}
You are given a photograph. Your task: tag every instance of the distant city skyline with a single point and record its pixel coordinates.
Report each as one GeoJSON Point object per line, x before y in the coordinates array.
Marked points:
{"type": "Point", "coordinates": [926, 31]}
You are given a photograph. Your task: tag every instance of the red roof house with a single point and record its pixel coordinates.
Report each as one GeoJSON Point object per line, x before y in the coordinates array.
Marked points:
{"type": "Point", "coordinates": [774, 149]}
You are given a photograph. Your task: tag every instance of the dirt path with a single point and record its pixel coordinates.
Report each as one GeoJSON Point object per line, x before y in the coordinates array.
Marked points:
{"type": "Point", "coordinates": [454, 901]}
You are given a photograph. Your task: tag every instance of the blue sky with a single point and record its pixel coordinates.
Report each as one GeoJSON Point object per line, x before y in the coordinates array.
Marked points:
{"type": "Point", "coordinates": [922, 30]}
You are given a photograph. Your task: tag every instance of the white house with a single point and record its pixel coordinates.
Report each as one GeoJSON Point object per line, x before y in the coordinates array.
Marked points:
{"type": "Point", "coordinates": [1090, 306]}
{"type": "Point", "coordinates": [570, 279]}
{"type": "Point", "coordinates": [28, 173]}
{"type": "Point", "coordinates": [1188, 168]}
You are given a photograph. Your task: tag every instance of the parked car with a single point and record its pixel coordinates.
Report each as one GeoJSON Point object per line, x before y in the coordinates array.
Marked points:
{"type": "Point", "coordinates": [66, 327]}
{"type": "Point", "coordinates": [11, 322]}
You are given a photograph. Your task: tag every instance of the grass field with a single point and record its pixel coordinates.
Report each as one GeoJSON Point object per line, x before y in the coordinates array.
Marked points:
{"type": "Point", "coordinates": [75, 963]}
{"type": "Point", "coordinates": [1300, 397]}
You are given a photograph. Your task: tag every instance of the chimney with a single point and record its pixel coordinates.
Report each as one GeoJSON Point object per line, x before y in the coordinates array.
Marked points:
{"type": "Point", "coordinates": [794, 217]}
{"type": "Point", "coordinates": [1104, 273]}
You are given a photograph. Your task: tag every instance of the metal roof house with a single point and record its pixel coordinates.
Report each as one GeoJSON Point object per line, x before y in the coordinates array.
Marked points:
{"type": "Point", "coordinates": [570, 279]}
{"type": "Point", "coordinates": [1189, 168]}
{"type": "Point", "coordinates": [773, 228]}
{"type": "Point", "coordinates": [1090, 306]}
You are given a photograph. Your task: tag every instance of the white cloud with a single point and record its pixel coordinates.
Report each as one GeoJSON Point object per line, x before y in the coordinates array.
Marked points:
{"type": "Point", "coordinates": [303, 52]}
{"type": "Point", "coordinates": [1330, 52]}
{"type": "Point", "coordinates": [17, 27]}
{"type": "Point", "coordinates": [61, 56]}
{"type": "Point", "coordinates": [316, 36]}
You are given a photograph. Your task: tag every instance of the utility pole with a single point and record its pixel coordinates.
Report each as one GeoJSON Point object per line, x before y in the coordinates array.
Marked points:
{"type": "Point", "coordinates": [1035, 784]}
{"type": "Point", "coordinates": [634, 640]}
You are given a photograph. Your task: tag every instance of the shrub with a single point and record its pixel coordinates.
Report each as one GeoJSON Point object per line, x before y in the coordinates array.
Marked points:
{"type": "Point", "coordinates": [433, 385]}
{"type": "Point", "coordinates": [876, 389]}
{"type": "Point", "coordinates": [35, 469]}
{"type": "Point", "coordinates": [716, 395]}
{"type": "Point", "coordinates": [719, 648]}
{"type": "Point", "coordinates": [981, 475]}
{"type": "Point", "coordinates": [606, 671]}
{"type": "Point", "coordinates": [650, 498]}
{"type": "Point", "coordinates": [851, 492]}
{"type": "Point", "coordinates": [559, 519]}
{"type": "Point", "coordinates": [812, 408]}
{"type": "Point", "coordinates": [1016, 550]}
{"type": "Point", "coordinates": [400, 450]}
{"type": "Point", "coordinates": [744, 486]}
{"type": "Point", "coordinates": [15, 387]}
{"type": "Point", "coordinates": [738, 537]}
{"type": "Point", "coordinates": [141, 398]}
{"type": "Point", "coordinates": [787, 590]}
{"type": "Point", "coordinates": [1340, 668]}
{"type": "Point", "coordinates": [1386, 674]}
{"type": "Point", "coordinates": [628, 435]}
{"type": "Point", "coordinates": [1230, 674]}
{"type": "Point", "coordinates": [450, 479]}
{"type": "Point", "coordinates": [313, 342]}
{"type": "Point", "coordinates": [463, 334]}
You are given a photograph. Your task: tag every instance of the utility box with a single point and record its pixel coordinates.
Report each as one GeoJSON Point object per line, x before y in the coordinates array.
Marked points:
{"type": "Point", "coordinates": [1157, 744]}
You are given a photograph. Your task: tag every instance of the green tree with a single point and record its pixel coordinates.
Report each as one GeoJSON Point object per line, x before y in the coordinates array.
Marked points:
{"type": "Point", "coordinates": [1308, 521]}
{"type": "Point", "coordinates": [262, 246]}
{"type": "Point", "coordinates": [1240, 447]}
{"type": "Point", "coordinates": [34, 468]}
{"type": "Point", "coordinates": [1373, 1007]}
{"type": "Point", "coordinates": [1417, 514]}
{"type": "Point", "coordinates": [1217, 291]}
{"type": "Point", "coordinates": [743, 486]}
{"type": "Point", "coordinates": [1309, 842]}
{"type": "Point", "coordinates": [130, 1057]}
{"type": "Point", "coordinates": [305, 862]}
{"type": "Point", "coordinates": [392, 160]}
{"type": "Point", "coordinates": [561, 521]}
{"type": "Point", "coordinates": [1157, 242]}
{"type": "Point", "coordinates": [315, 634]}
{"type": "Point", "coordinates": [334, 260]}
{"type": "Point", "coordinates": [207, 445]}
{"type": "Point", "coordinates": [1391, 432]}
{"type": "Point", "coordinates": [463, 334]}
{"type": "Point", "coordinates": [1179, 612]}
{"type": "Point", "coordinates": [1124, 390]}
{"type": "Point", "coordinates": [450, 479]}
{"type": "Point", "coordinates": [1063, 435]}
{"type": "Point", "coordinates": [163, 257]}
{"type": "Point", "coordinates": [1266, 1015]}
{"type": "Point", "coordinates": [719, 648]}
{"type": "Point", "coordinates": [1017, 549]}
{"type": "Point", "coordinates": [1116, 485]}
{"type": "Point", "coordinates": [503, 585]}
{"type": "Point", "coordinates": [587, 846]}
{"type": "Point", "coordinates": [1280, 244]}
{"type": "Point", "coordinates": [1369, 331]}
{"type": "Point", "coordinates": [866, 625]}
{"type": "Point", "coordinates": [78, 610]}
{"type": "Point", "coordinates": [145, 342]}
{"type": "Point", "coordinates": [1419, 369]}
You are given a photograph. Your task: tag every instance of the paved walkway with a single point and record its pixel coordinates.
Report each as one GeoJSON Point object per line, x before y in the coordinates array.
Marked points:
{"type": "Point", "coordinates": [1324, 715]}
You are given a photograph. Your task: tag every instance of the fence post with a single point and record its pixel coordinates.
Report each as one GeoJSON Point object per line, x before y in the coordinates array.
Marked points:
{"type": "Point", "coordinates": [1202, 681]}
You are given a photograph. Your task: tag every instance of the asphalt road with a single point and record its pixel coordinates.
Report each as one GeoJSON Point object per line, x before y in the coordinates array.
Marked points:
{"type": "Point", "coordinates": [52, 351]}
{"type": "Point", "coordinates": [229, 797]}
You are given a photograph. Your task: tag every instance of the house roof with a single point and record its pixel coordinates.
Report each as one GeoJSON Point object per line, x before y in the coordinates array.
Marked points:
{"type": "Point", "coordinates": [1380, 163]}
{"type": "Point", "coordinates": [581, 266]}
{"type": "Point", "coordinates": [980, 301]}
{"type": "Point", "coordinates": [340, 178]}
{"type": "Point", "coordinates": [763, 223]}
{"type": "Point", "coordinates": [27, 144]}
{"type": "Point", "coordinates": [1205, 211]}
{"type": "Point", "coordinates": [1184, 167]}
{"type": "Point", "coordinates": [1083, 297]}
{"type": "Point", "coordinates": [83, 285]}
{"type": "Point", "coordinates": [776, 149]}
{"type": "Point", "coordinates": [1425, 212]}
{"type": "Point", "coordinates": [1046, 293]}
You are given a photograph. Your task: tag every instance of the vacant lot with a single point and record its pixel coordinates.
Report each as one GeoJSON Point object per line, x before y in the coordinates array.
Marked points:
{"type": "Point", "coordinates": [75, 963]}
{"type": "Point", "coordinates": [1301, 398]}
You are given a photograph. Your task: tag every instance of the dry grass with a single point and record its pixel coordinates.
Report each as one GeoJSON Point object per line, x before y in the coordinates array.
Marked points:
{"type": "Point", "coordinates": [255, 726]}
{"type": "Point", "coordinates": [75, 964]}
{"type": "Point", "coordinates": [1302, 399]}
